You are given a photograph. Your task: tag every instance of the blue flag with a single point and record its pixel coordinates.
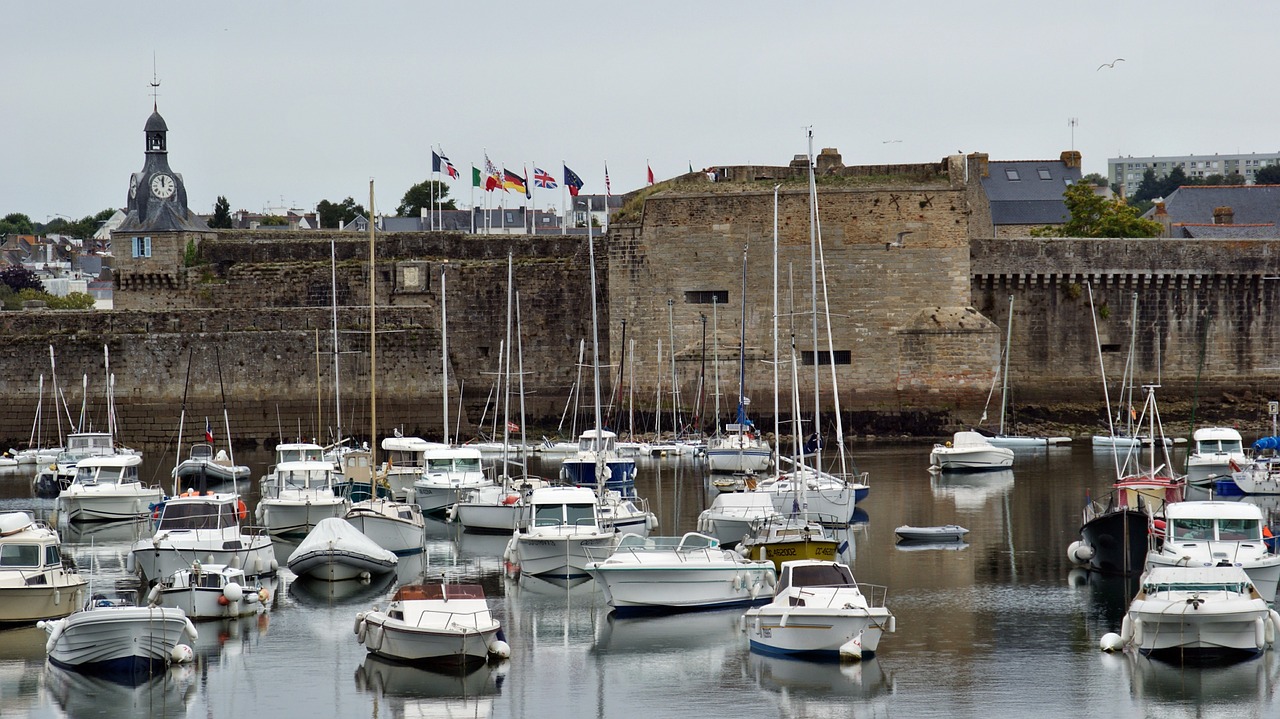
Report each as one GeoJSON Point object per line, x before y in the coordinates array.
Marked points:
{"type": "Point", "coordinates": [572, 181]}
{"type": "Point", "coordinates": [435, 162]}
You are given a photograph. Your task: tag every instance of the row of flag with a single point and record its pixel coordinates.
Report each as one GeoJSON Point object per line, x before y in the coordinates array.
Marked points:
{"type": "Point", "coordinates": [491, 178]}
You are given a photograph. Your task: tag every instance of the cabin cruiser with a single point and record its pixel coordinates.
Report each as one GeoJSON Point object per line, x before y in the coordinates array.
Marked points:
{"type": "Point", "coordinates": [1203, 534]}
{"type": "Point", "coordinates": [559, 526]}
{"type": "Point", "coordinates": [206, 528]}
{"type": "Point", "coordinates": [106, 489]}
{"type": "Point", "coordinates": [1218, 452]}
{"type": "Point", "coordinates": [434, 624]}
{"type": "Point", "coordinates": [448, 475]}
{"type": "Point", "coordinates": [36, 580]}
{"type": "Point", "coordinates": [969, 451]}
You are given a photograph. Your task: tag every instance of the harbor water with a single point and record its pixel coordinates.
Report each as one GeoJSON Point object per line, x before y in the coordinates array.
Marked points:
{"type": "Point", "coordinates": [999, 625]}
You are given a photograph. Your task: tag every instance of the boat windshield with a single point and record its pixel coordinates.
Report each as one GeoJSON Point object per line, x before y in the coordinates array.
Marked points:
{"type": "Point", "coordinates": [1236, 587]}
{"type": "Point", "coordinates": [1210, 446]}
{"type": "Point", "coordinates": [1200, 529]}
{"type": "Point", "coordinates": [467, 464]}
{"type": "Point", "coordinates": [821, 575]}
{"type": "Point", "coordinates": [197, 515]}
{"type": "Point", "coordinates": [19, 555]}
{"type": "Point", "coordinates": [551, 515]}
{"type": "Point", "coordinates": [303, 478]}
{"type": "Point", "coordinates": [300, 455]}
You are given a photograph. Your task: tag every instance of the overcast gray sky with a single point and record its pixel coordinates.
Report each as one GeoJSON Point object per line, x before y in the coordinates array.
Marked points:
{"type": "Point", "coordinates": [272, 103]}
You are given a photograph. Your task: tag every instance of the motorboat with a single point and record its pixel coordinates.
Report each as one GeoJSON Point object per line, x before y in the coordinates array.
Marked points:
{"type": "Point", "coordinates": [626, 513]}
{"type": "Point", "coordinates": [106, 489]}
{"type": "Point", "coordinates": [496, 509]}
{"type": "Point", "coordinates": [297, 495]}
{"type": "Point", "coordinates": [1196, 615]}
{"type": "Point", "coordinates": [1260, 475]}
{"type": "Point", "coordinates": [732, 514]}
{"type": "Point", "coordinates": [205, 528]}
{"type": "Point", "coordinates": [805, 489]}
{"type": "Point", "coordinates": [397, 527]}
{"type": "Point", "coordinates": [559, 525]}
{"type": "Point", "coordinates": [969, 451]}
{"type": "Point", "coordinates": [404, 463]}
{"type": "Point", "coordinates": [819, 611]}
{"type": "Point", "coordinates": [1209, 533]}
{"type": "Point", "coordinates": [203, 468]}
{"type": "Point", "coordinates": [36, 581]}
{"type": "Point", "coordinates": [596, 454]}
{"type": "Point", "coordinates": [210, 591]}
{"type": "Point", "coordinates": [942, 533]}
{"type": "Point", "coordinates": [114, 636]}
{"type": "Point", "coordinates": [671, 574]}
{"type": "Point", "coordinates": [443, 624]}
{"type": "Point", "coordinates": [1116, 531]}
{"type": "Point", "coordinates": [336, 551]}
{"type": "Point", "coordinates": [1217, 452]}
{"type": "Point", "coordinates": [448, 475]}
{"type": "Point", "coordinates": [783, 537]}
{"type": "Point", "coordinates": [52, 479]}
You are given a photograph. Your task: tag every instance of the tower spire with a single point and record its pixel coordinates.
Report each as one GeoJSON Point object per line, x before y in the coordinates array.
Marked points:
{"type": "Point", "coordinates": [155, 85]}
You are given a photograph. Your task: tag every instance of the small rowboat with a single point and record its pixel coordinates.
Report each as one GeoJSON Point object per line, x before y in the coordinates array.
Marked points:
{"type": "Point", "coordinates": [945, 533]}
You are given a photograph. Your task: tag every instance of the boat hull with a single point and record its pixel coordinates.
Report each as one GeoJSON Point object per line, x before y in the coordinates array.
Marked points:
{"type": "Point", "coordinates": [108, 507]}
{"type": "Point", "coordinates": [785, 551]}
{"type": "Point", "coordinates": [489, 518]}
{"type": "Point", "coordinates": [983, 460]}
{"type": "Point", "coordinates": [1119, 540]}
{"type": "Point", "coordinates": [816, 633]}
{"type": "Point", "coordinates": [205, 603]}
{"type": "Point", "coordinates": [158, 557]}
{"type": "Point", "coordinates": [655, 589]}
{"type": "Point", "coordinates": [558, 557]}
{"type": "Point", "coordinates": [396, 535]}
{"type": "Point", "coordinates": [754, 459]}
{"type": "Point", "coordinates": [27, 604]}
{"type": "Point", "coordinates": [295, 518]}
{"type": "Point", "coordinates": [396, 640]}
{"type": "Point", "coordinates": [337, 565]}
{"type": "Point", "coordinates": [118, 641]}
{"type": "Point", "coordinates": [1213, 632]}
{"type": "Point", "coordinates": [621, 472]}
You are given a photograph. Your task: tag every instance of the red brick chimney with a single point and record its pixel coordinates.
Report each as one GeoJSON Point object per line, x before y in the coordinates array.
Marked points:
{"type": "Point", "coordinates": [1071, 158]}
{"type": "Point", "coordinates": [1161, 215]}
{"type": "Point", "coordinates": [1223, 216]}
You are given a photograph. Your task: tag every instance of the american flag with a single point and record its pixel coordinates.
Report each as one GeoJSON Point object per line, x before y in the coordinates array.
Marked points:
{"type": "Point", "coordinates": [607, 190]}
{"type": "Point", "coordinates": [543, 180]}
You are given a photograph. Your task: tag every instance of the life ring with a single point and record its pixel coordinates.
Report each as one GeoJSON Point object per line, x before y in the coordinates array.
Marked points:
{"type": "Point", "coordinates": [244, 511]}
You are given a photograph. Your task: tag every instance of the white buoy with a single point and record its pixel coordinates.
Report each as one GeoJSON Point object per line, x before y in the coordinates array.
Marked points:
{"type": "Point", "coordinates": [233, 592]}
{"type": "Point", "coordinates": [1111, 642]}
{"type": "Point", "coordinates": [1079, 552]}
{"type": "Point", "coordinates": [181, 654]}
{"type": "Point", "coordinates": [500, 649]}
{"type": "Point", "coordinates": [365, 577]}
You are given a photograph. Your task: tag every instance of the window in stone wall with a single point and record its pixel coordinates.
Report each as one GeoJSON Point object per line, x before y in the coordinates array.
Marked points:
{"type": "Point", "coordinates": [142, 247]}
{"type": "Point", "coordinates": [706, 297]}
{"type": "Point", "coordinates": [825, 357]}
{"type": "Point", "coordinates": [1110, 348]}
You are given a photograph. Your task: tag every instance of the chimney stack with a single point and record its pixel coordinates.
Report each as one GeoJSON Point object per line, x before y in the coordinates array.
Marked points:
{"type": "Point", "coordinates": [1223, 216]}
{"type": "Point", "coordinates": [1071, 158]}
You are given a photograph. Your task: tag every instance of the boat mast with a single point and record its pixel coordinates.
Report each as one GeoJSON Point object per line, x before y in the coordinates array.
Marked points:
{"type": "Point", "coordinates": [595, 360]}
{"type": "Point", "coordinates": [506, 393]}
{"type": "Point", "coordinates": [333, 292]}
{"type": "Point", "coordinates": [742, 353]}
{"type": "Point", "coordinates": [715, 353]}
{"type": "Point", "coordinates": [373, 355]}
{"type": "Point", "coordinates": [813, 289]}
{"type": "Point", "coordinates": [675, 389]}
{"type": "Point", "coordinates": [777, 427]}
{"type": "Point", "coordinates": [1004, 386]}
{"type": "Point", "coordinates": [444, 351]}
{"type": "Point", "coordinates": [524, 459]}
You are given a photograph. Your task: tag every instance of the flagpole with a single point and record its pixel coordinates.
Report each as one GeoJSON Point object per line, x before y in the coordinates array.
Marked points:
{"type": "Point", "coordinates": [533, 200]}
{"type": "Point", "coordinates": [564, 202]}
{"type": "Point", "coordinates": [473, 199]}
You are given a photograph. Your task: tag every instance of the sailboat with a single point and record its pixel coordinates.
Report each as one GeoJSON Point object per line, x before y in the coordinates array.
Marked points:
{"type": "Point", "coordinates": [740, 449]}
{"type": "Point", "coordinates": [1125, 411]}
{"type": "Point", "coordinates": [1003, 439]}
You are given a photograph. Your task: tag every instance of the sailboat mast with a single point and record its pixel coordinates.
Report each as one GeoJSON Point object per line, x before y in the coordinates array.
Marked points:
{"type": "Point", "coordinates": [715, 354]}
{"type": "Point", "coordinates": [373, 351]}
{"type": "Point", "coordinates": [444, 351]}
{"type": "Point", "coordinates": [777, 426]}
{"type": "Point", "coordinates": [595, 350]}
{"type": "Point", "coordinates": [333, 292]}
{"type": "Point", "coordinates": [742, 350]}
{"type": "Point", "coordinates": [506, 392]}
{"type": "Point", "coordinates": [813, 279]}
{"type": "Point", "coordinates": [524, 459]}
{"type": "Point", "coordinates": [1004, 385]}
{"type": "Point", "coordinates": [675, 390]}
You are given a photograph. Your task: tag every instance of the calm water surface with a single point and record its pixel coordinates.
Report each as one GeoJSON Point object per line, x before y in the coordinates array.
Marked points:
{"type": "Point", "coordinates": [999, 626]}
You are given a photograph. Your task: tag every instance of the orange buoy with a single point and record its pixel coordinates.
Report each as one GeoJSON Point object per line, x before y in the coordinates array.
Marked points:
{"type": "Point", "coordinates": [244, 511]}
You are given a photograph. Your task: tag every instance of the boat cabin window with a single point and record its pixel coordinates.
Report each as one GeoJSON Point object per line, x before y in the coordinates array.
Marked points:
{"type": "Point", "coordinates": [1239, 529]}
{"type": "Point", "coordinates": [203, 515]}
{"type": "Point", "coordinates": [1191, 529]}
{"type": "Point", "coordinates": [821, 575]}
{"type": "Point", "coordinates": [52, 555]}
{"type": "Point", "coordinates": [1209, 446]}
{"type": "Point", "coordinates": [20, 555]}
{"type": "Point", "coordinates": [300, 455]}
{"type": "Point", "coordinates": [588, 444]}
{"type": "Point", "coordinates": [550, 515]}
{"type": "Point", "coordinates": [99, 442]}
{"type": "Point", "coordinates": [303, 478]}
{"type": "Point", "coordinates": [1156, 588]}
{"type": "Point", "coordinates": [436, 464]}
{"type": "Point", "coordinates": [86, 475]}
{"type": "Point", "coordinates": [201, 451]}
{"type": "Point", "coordinates": [467, 464]}
{"type": "Point", "coordinates": [404, 457]}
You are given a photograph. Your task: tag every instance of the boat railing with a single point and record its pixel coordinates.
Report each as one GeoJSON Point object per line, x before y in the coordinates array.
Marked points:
{"type": "Point", "coordinates": [874, 595]}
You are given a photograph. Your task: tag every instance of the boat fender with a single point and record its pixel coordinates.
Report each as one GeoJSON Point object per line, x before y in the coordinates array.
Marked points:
{"type": "Point", "coordinates": [742, 547]}
{"type": "Point", "coordinates": [373, 636]}
{"type": "Point", "coordinates": [355, 628]}
{"type": "Point", "coordinates": [1260, 632]}
{"type": "Point", "coordinates": [1111, 642]}
{"type": "Point", "coordinates": [181, 654]}
{"type": "Point", "coordinates": [1137, 631]}
{"type": "Point", "coordinates": [499, 649]}
{"type": "Point", "coordinates": [365, 577]}
{"type": "Point", "coordinates": [191, 631]}
{"type": "Point", "coordinates": [130, 564]}
{"type": "Point", "coordinates": [1273, 622]}
{"type": "Point", "coordinates": [770, 579]}
{"type": "Point", "coordinates": [1126, 630]}
{"type": "Point", "coordinates": [55, 630]}
{"type": "Point", "coordinates": [263, 595]}
{"type": "Point", "coordinates": [57, 597]}
{"type": "Point", "coordinates": [362, 629]}
{"type": "Point", "coordinates": [259, 565]}
{"type": "Point", "coordinates": [755, 587]}
{"type": "Point", "coordinates": [450, 513]}
{"type": "Point", "coordinates": [851, 651]}
{"type": "Point", "coordinates": [737, 583]}
{"type": "Point", "coordinates": [1079, 552]}
{"type": "Point", "coordinates": [233, 592]}
{"type": "Point", "coordinates": [275, 566]}
{"type": "Point", "coordinates": [153, 597]}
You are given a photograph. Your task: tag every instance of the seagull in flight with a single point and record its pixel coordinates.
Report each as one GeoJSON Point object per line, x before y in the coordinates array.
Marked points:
{"type": "Point", "coordinates": [1111, 64]}
{"type": "Point", "coordinates": [886, 142]}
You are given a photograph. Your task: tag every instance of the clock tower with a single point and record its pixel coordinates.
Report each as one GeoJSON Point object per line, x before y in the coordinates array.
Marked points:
{"type": "Point", "coordinates": [151, 243]}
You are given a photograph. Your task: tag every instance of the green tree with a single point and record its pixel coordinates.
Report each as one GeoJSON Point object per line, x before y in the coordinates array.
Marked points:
{"type": "Point", "coordinates": [16, 223]}
{"type": "Point", "coordinates": [1214, 179]}
{"type": "Point", "coordinates": [1094, 178]}
{"type": "Point", "coordinates": [18, 278]}
{"type": "Point", "coordinates": [1149, 189]}
{"type": "Point", "coordinates": [1269, 175]}
{"type": "Point", "coordinates": [221, 218]}
{"type": "Point", "coordinates": [1171, 182]}
{"type": "Point", "coordinates": [1233, 178]}
{"type": "Point", "coordinates": [1095, 216]}
{"type": "Point", "coordinates": [273, 221]}
{"type": "Point", "coordinates": [331, 214]}
{"type": "Point", "coordinates": [429, 194]}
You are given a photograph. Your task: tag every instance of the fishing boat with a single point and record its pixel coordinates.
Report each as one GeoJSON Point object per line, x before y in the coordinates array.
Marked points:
{"type": "Point", "coordinates": [114, 636]}
{"type": "Point", "coordinates": [397, 527]}
{"type": "Point", "coordinates": [943, 533]}
{"type": "Point", "coordinates": [732, 515]}
{"type": "Point", "coordinates": [1217, 452]}
{"type": "Point", "coordinates": [819, 611]}
{"type": "Point", "coordinates": [107, 489]}
{"type": "Point", "coordinates": [597, 457]}
{"type": "Point", "coordinates": [297, 495]}
{"type": "Point", "coordinates": [335, 551]}
{"type": "Point", "coordinates": [36, 581]}
{"type": "Point", "coordinates": [969, 451]}
{"type": "Point", "coordinates": [448, 475]}
{"type": "Point", "coordinates": [203, 467]}
{"type": "Point", "coordinates": [781, 538]}
{"type": "Point", "coordinates": [210, 591]}
{"type": "Point", "coordinates": [673, 574]}
{"type": "Point", "coordinates": [205, 528]}
{"type": "Point", "coordinates": [1209, 533]}
{"type": "Point", "coordinates": [434, 624]}
{"type": "Point", "coordinates": [559, 526]}
{"type": "Point", "coordinates": [496, 509]}
{"type": "Point", "coordinates": [1197, 615]}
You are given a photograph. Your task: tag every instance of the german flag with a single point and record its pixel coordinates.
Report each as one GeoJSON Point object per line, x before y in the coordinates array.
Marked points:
{"type": "Point", "coordinates": [512, 181]}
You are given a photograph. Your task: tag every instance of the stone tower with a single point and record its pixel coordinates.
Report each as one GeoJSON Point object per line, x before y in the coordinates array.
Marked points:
{"type": "Point", "coordinates": [150, 244]}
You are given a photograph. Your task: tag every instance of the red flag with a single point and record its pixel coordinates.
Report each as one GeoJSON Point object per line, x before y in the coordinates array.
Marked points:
{"type": "Point", "coordinates": [650, 169]}
{"type": "Point", "coordinates": [208, 431]}
{"type": "Point", "coordinates": [513, 427]}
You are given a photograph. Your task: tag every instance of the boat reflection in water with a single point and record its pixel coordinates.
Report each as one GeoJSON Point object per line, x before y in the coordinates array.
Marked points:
{"type": "Point", "coordinates": [415, 692]}
{"type": "Point", "coordinates": [167, 694]}
{"type": "Point", "coordinates": [1244, 689]}
{"type": "Point", "coordinates": [319, 593]}
{"type": "Point", "coordinates": [971, 491]}
{"type": "Point", "coordinates": [703, 633]}
{"type": "Point", "coordinates": [1109, 594]}
{"type": "Point", "coordinates": [823, 689]}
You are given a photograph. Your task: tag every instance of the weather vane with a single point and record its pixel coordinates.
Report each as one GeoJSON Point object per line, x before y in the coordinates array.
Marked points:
{"type": "Point", "coordinates": [155, 84]}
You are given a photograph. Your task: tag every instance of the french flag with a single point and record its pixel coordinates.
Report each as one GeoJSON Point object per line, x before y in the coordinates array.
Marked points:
{"type": "Point", "coordinates": [208, 431]}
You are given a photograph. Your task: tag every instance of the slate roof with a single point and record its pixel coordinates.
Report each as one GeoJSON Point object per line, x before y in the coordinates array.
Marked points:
{"type": "Point", "coordinates": [1228, 232]}
{"type": "Point", "coordinates": [1250, 204]}
{"type": "Point", "coordinates": [1028, 192]}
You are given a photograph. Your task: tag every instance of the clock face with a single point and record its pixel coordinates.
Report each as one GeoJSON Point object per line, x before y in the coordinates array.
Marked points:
{"type": "Point", "coordinates": [162, 186]}
{"type": "Point", "coordinates": [133, 185]}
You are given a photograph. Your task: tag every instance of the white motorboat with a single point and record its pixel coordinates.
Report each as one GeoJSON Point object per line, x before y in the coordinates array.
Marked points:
{"type": "Point", "coordinates": [397, 527]}
{"type": "Point", "coordinates": [942, 533]}
{"type": "Point", "coordinates": [818, 611]}
{"type": "Point", "coordinates": [52, 479]}
{"type": "Point", "coordinates": [113, 636]}
{"type": "Point", "coordinates": [496, 509]}
{"type": "Point", "coordinates": [1217, 452]}
{"type": "Point", "coordinates": [1201, 534]}
{"type": "Point", "coordinates": [297, 495]}
{"type": "Point", "coordinates": [37, 455]}
{"type": "Point", "coordinates": [1260, 475]}
{"type": "Point", "coordinates": [559, 526]}
{"type": "Point", "coordinates": [596, 451]}
{"type": "Point", "coordinates": [336, 551]}
{"type": "Point", "coordinates": [555, 448]}
{"type": "Point", "coordinates": [665, 574]}
{"type": "Point", "coordinates": [106, 488]}
{"type": "Point", "coordinates": [1197, 614]}
{"type": "Point", "coordinates": [969, 451]}
{"type": "Point", "coordinates": [203, 468]}
{"type": "Point", "coordinates": [442, 624]}
{"type": "Point", "coordinates": [36, 581]}
{"type": "Point", "coordinates": [626, 513]}
{"type": "Point", "coordinates": [448, 475]}
{"type": "Point", "coordinates": [806, 490]}
{"type": "Point", "coordinates": [210, 591]}
{"type": "Point", "coordinates": [404, 462]}
{"type": "Point", "coordinates": [732, 515]}
{"type": "Point", "coordinates": [202, 528]}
